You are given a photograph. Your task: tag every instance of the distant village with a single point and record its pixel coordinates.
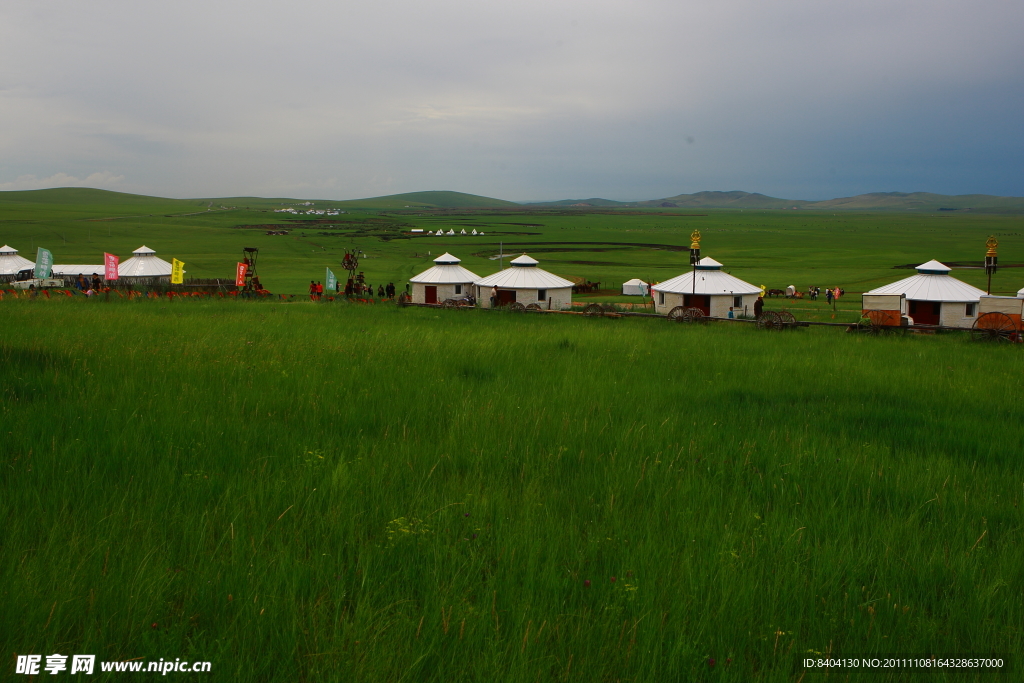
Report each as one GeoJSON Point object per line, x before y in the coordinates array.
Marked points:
{"type": "Point", "coordinates": [309, 212]}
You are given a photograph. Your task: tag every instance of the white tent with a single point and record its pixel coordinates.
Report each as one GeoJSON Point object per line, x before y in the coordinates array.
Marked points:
{"type": "Point", "coordinates": [707, 287]}
{"type": "Point", "coordinates": [446, 280]}
{"type": "Point", "coordinates": [144, 264]}
{"type": "Point", "coordinates": [463, 232]}
{"type": "Point", "coordinates": [635, 287]}
{"type": "Point", "coordinates": [474, 231]}
{"type": "Point", "coordinates": [523, 282]}
{"type": "Point", "coordinates": [11, 263]}
{"type": "Point", "coordinates": [934, 297]}
{"type": "Point", "coordinates": [450, 232]}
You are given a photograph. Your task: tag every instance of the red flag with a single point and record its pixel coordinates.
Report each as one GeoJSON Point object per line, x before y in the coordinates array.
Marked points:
{"type": "Point", "coordinates": [110, 262]}
{"type": "Point", "coordinates": [240, 273]}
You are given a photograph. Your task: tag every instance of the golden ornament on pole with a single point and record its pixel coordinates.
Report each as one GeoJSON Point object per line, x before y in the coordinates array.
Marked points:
{"type": "Point", "coordinates": [695, 239]}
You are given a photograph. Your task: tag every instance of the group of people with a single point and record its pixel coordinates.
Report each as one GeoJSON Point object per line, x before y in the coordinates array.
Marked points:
{"type": "Point", "coordinates": [353, 289]}
{"type": "Point", "coordinates": [830, 293]}
{"type": "Point", "coordinates": [84, 285]}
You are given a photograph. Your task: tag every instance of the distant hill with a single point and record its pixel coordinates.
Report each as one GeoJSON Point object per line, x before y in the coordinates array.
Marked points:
{"type": "Point", "coordinates": [734, 199]}
{"type": "Point", "coordinates": [440, 199]}
{"type": "Point", "coordinates": [579, 203]}
{"type": "Point", "coordinates": [86, 196]}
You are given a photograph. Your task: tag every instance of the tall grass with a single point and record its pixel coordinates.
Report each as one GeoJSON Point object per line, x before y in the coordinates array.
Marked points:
{"type": "Point", "coordinates": [302, 493]}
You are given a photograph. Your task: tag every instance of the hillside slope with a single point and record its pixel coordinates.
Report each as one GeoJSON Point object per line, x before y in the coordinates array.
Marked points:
{"type": "Point", "coordinates": [437, 199]}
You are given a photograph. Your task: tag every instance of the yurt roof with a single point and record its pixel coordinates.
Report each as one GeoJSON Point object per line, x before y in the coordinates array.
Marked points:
{"type": "Point", "coordinates": [11, 263]}
{"type": "Point", "coordinates": [144, 264]}
{"type": "Point", "coordinates": [447, 259]}
{"type": "Point", "coordinates": [710, 280]}
{"type": "Point", "coordinates": [524, 274]}
{"type": "Point", "coordinates": [445, 273]}
{"type": "Point", "coordinates": [931, 285]}
{"type": "Point", "coordinates": [634, 281]}
{"type": "Point", "coordinates": [1021, 292]}
{"type": "Point", "coordinates": [77, 269]}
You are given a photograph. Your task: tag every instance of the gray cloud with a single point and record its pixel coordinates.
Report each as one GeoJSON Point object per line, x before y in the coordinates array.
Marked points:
{"type": "Point", "coordinates": [521, 100]}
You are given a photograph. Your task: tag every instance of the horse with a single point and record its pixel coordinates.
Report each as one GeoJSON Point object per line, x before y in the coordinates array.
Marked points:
{"type": "Point", "coordinates": [776, 292]}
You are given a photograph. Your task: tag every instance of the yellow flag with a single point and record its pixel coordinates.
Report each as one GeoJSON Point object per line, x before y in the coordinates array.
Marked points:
{"type": "Point", "coordinates": [177, 272]}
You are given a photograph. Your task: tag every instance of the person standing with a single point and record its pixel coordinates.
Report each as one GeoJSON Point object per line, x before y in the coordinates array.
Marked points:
{"type": "Point", "coordinates": [494, 296]}
{"type": "Point", "coordinates": [828, 296]}
{"type": "Point", "coordinates": [312, 291]}
{"type": "Point", "coordinates": [758, 307]}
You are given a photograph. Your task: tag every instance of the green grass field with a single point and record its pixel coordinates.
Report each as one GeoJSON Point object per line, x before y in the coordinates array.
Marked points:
{"type": "Point", "coordinates": [302, 492]}
{"type": "Point", "coordinates": [297, 492]}
{"type": "Point", "coordinates": [854, 250]}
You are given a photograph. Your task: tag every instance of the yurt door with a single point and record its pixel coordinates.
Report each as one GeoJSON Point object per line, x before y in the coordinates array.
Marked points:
{"type": "Point", "coordinates": [925, 312]}
{"type": "Point", "coordinates": [430, 294]}
{"type": "Point", "coordinates": [698, 301]}
{"type": "Point", "coordinates": [506, 297]}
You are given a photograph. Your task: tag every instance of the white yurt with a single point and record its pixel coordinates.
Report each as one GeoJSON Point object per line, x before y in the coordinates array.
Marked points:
{"type": "Point", "coordinates": [11, 263]}
{"type": "Point", "coordinates": [933, 297]}
{"type": "Point", "coordinates": [708, 288]}
{"type": "Point", "coordinates": [523, 282]}
{"type": "Point", "coordinates": [635, 287]}
{"type": "Point", "coordinates": [144, 266]}
{"type": "Point", "coordinates": [70, 273]}
{"type": "Point", "coordinates": [445, 280]}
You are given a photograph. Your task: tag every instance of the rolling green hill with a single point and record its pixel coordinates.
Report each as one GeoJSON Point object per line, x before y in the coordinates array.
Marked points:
{"type": "Point", "coordinates": [438, 199]}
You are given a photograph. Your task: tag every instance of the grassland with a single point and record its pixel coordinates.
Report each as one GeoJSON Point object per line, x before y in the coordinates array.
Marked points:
{"type": "Point", "coordinates": [853, 250]}
{"type": "Point", "coordinates": [298, 492]}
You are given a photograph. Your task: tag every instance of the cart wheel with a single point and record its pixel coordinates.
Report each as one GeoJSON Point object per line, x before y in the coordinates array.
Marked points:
{"type": "Point", "coordinates": [533, 307]}
{"type": "Point", "coordinates": [787, 318]}
{"type": "Point", "coordinates": [593, 309]}
{"type": "Point", "coordinates": [694, 315]}
{"type": "Point", "coordinates": [873, 322]}
{"type": "Point", "coordinates": [449, 303]}
{"type": "Point", "coordinates": [994, 327]}
{"type": "Point", "coordinates": [770, 321]}
{"type": "Point", "coordinates": [516, 307]}
{"type": "Point", "coordinates": [403, 299]}
{"type": "Point", "coordinates": [676, 314]}
{"type": "Point", "coordinates": [610, 308]}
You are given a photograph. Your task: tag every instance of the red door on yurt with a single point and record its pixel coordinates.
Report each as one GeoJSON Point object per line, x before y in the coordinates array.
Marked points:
{"type": "Point", "coordinates": [698, 301]}
{"type": "Point", "coordinates": [506, 297]}
{"type": "Point", "coordinates": [925, 312]}
{"type": "Point", "coordinates": [430, 294]}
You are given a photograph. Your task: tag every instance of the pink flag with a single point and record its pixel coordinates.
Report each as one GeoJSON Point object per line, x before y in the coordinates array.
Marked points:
{"type": "Point", "coordinates": [110, 262]}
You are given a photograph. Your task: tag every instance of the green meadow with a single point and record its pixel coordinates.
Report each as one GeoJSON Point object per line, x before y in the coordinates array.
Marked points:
{"type": "Point", "coordinates": [301, 492]}
{"type": "Point", "coordinates": [776, 248]}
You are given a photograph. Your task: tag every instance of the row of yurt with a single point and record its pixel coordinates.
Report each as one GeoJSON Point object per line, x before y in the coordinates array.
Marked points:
{"type": "Point", "coordinates": [523, 282]}
{"type": "Point", "coordinates": [708, 288]}
{"type": "Point", "coordinates": [143, 267]}
{"type": "Point", "coordinates": [932, 297]}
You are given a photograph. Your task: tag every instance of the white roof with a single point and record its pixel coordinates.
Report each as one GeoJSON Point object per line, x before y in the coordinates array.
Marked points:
{"type": "Point", "coordinates": [635, 281]}
{"type": "Point", "coordinates": [932, 283]}
{"type": "Point", "coordinates": [451, 232]}
{"type": "Point", "coordinates": [11, 263]}
{"type": "Point", "coordinates": [1021, 292]}
{"type": "Point", "coordinates": [78, 270]}
{"type": "Point", "coordinates": [710, 279]}
{"type": "Point", "coordinates": [143, 264]}
{"type": "Point", "coordinates": [446, 272]}
{"type": "Point", "coordinates": [524, 274]}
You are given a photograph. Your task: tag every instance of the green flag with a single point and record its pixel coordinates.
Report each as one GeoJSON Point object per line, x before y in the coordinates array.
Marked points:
{"type": "Point", "coordinates": [44, 263]}
{"type": "Point", "coordinates": [332, 282]}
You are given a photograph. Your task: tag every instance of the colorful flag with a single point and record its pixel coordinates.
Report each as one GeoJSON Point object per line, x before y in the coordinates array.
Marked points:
{"type": "Point", "coordinates": [332, 281]}
{"type": "Point", "coordinates": [110, 263]}
{"type": "Point", "coordinates": [44, 263]}
{"type": "Point", "coordinates": [240, 269]}
{"type": "Point", "coordinates": [177, 272]}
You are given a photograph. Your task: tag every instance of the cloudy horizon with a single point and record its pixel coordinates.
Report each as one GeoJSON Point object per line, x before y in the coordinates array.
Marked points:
{"type": "Point", "coordinates": [530, 101]}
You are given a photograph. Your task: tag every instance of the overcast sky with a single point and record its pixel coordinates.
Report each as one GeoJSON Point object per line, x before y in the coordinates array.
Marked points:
{"type": "Point", "coordinates": [523, 100]}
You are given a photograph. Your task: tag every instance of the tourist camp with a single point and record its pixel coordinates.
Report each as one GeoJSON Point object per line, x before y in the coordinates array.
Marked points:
{"type": "Point", "coordinates": [708, 288]}
{"type": "Point", "coordinates": [932, 297]}
{"type": "Point", "coordinates": [144, 268]}
{"type": "Point", "coordinates": [445, 280]}
{"type": "Point", "coordinates": [524, 284]}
